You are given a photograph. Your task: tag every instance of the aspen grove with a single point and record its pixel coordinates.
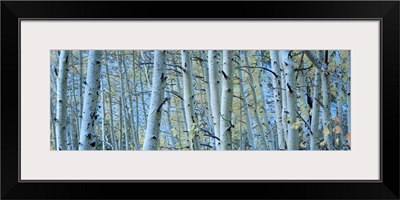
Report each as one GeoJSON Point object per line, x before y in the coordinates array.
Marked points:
{"type": "Point", "coordinates": [207, 100]}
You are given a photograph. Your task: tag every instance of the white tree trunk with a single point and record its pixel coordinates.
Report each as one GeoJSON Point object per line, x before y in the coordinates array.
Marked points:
{"type": "Point", "coordinates": [315, 111]}
{"type": "Point", "coordinates": [348, 95]}
{"type": "Point", "coordinates": [271, 137]}
{"type": "Point", "coordinates": [243, 92]}
{"type": "Point", "coordinates": [170, 135]}
{"type": "Point", "coordinates": [303, 102]}
{"type": "Point", "coordinates": [288, 66]}
{"type": "Point", "coordinates": [275, 63]}
{"type": "Point", "coordinates": [157, 95]}
{"type": "Point", "coordinates": [123, 101]}
{"type": "Point", "coordinates": [81, 78]}
{"type": "Point", "coordinates": [339, 105]}
{"type": "Point", "coordinates": [61, 115]}
{"type": "Point", "coordinates": [326, 104]}
{"type": "Point", "coordinates": [135, 135]}
{"type": "Point", "coordinates": [114, 141]}
{"type": "Point", "coordinates": [255, 104]}
{"type": "Point", "coordinates": [182, 104]}
{"type": "Point", "coordinates": [188, 96]}
{"type": "Point", "coordinates": [103, 116]}
{"type": "Point", "coordinates": [284, 104]}
{"type": "Point", "coordinates": [208, 95]}
{"type": "Point", "coordinates": [214, 93]}
{"type": "Point", "coordinates": [226, 98]}
{"type": "Point", "coordinates": [87, 139]}
{"type": "Point", "coordinates": [120, 124]}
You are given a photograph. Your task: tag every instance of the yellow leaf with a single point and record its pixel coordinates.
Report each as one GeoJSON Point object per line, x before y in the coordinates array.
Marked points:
{"type": "Point", "coordinates": [337, 140]}
{"type": "Point", "coordinates": [337, 119]}
{"type": "Point", "coordinates": [296, 124]}
{"type": "Point", "coordinates": [304, 114]}
{"type": "Point", "coordinates": [326, 132]}
{"type": "Point", "coordinates": [348, 136]}
{"type": "Point", "coordinates": [322, 143]}
{"type": "Point", "coordinates": [337, 129]}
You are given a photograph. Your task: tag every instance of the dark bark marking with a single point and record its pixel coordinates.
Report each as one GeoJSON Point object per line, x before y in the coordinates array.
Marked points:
{"type": "Point", "coordinates": [93, 144]}
{"type": "Point", "coordinates": [290, 88]}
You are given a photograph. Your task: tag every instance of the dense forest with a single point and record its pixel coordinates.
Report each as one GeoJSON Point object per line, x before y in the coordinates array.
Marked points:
{"type": "Point", "coordinates": [181, 100]}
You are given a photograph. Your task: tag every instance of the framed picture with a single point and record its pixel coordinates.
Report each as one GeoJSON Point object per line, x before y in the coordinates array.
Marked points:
{"type": "Point", "coordinates": [258, 97]}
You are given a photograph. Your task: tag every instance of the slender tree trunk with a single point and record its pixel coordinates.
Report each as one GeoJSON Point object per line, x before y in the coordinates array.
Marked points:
{"type": "Point", "coordinates": [188, 96]}
{"type": "Point", "coordinates": [271, 138]}
{"type": "Point", "coordinates": [143, 102]}
{"type": "Point", "coordinates": [318, 62]}
{"type": "Point", "coordinates": [75, 112]}
{"type": "Point", "coordinates": [208, 95]}
{"type": "Point", "coordinates": [120, 124]}
{"type": "Point", "coordinates": [227, 99]}
{"type": "Point", "coordinates": [326, 103]}
{"type": "Point", "coordinates": [186, 128]}
{"type": "Point", "coordinates": [53, 126]}
{"type": "Point", "coordinates": [80, 87]}
{"type": "Point", "coordinates": [339, 106]}
{"type": "Point", "coordinates": [103, 116]}
{"type": "Point", "coordinates": [284, 104]}
{"type": "Point", "coordinates": [243, 92]}
{"type": "Point", "coordinates": [348, 95]}
{"type": "Point", "coordinates": [70, 123]}
{"type": "Point", "coordinates": [136, 101]}
{"type": "Point", "coordinates": [214, 94]}
{"type": "Point", "coordinates": [134, 132]}
{"type": "Point", "coordinates": [170, 135]}
{"type": "Point", "coordinates": [315, 111]}
{"type": "Point", "coordinates": [275, 63]}
{"type": "Point", "coordinates": [114, 142]}
{"type": "Point", "coordinates": [242, 139]}
{"type": "Point", "coordinates": [123, 101]}
{"type": "Point", "coordinates": [157, 94]}
{"type": "Point", "coordinates": [303, 100]}
{"type": "Point", "coordinates": [87, 136]}
{"type": "Point", "coordinates": [255, 104]}
{"type": "Point", "coordinates": [288, 65]}
{"type": "Point", "coordinates": [61, 116]}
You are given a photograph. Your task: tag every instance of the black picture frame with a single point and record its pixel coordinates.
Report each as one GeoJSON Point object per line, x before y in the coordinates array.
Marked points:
{"type": "Point", "coordinates": [13, 11]}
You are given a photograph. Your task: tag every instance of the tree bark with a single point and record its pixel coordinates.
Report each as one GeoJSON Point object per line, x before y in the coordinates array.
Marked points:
{"type": "Point", "coordinates": [61, 115]}
{"type": "Point", "coordinates": [87, 135]}
{"type": "Point", "coordinates": [123, 101]}
{"type": "Point", "coordinates": [135, 135]}
{"type": "Point", "coordinates": [288, 65]}
{"type": "Point", "coordinates": [157, 94]}
{"type": "Point", "coordinates": [226, 97]}
{"type": "Point", "coordinates": [270, 134]}
{"type": "Point", "coordinates": [114, 141]}
{"type": "Point", "coordinates": [275, 63]}
{"type": "Point", "coordinates": [303, 102]}
{"type": "Point", "coordinates": [188, 96]}
{"type": "Point", "coordinates": [243, 92]}
{"type": "Point", "coordinates": [255, 104]}
{"type": "Point", "coordinates": [315, 111]}
{"type": "Point", "coordinates": [214, 94]}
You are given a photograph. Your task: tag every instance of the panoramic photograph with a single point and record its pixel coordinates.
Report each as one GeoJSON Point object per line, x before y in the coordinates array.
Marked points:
{"type": "Point", "coordinates": [200, 100]}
